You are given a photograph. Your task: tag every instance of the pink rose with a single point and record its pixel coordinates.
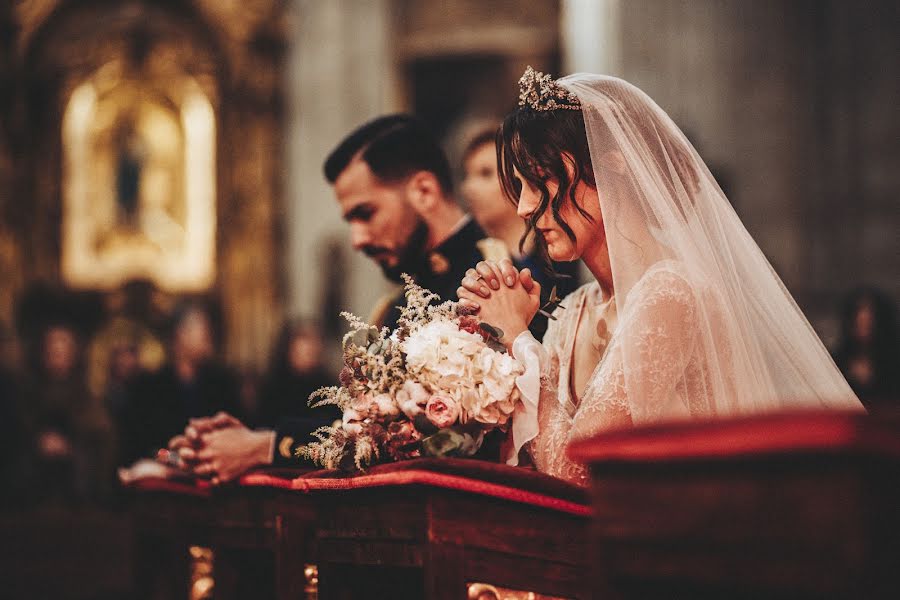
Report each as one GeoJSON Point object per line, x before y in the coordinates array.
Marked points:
{"type": "Point", "coordinates": [442, 411]}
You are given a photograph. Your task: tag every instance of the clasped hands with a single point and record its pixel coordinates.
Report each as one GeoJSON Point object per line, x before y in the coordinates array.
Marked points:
{"type": "Point", "coordinates": [219, 448]}
{"type": "Point", "coordinates": [502, 296]}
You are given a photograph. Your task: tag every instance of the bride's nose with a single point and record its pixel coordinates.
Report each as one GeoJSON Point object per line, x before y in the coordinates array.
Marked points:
{"type": "Point", "coordinates": [528, 203]}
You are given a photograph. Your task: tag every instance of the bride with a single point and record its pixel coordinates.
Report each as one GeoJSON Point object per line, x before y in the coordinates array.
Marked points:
{"type": "Point", "coordinates": [685, 318]}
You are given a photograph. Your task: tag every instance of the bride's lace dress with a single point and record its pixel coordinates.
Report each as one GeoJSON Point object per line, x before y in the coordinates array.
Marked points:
{"type": "Point", "coordinates": [703, 325]}
{"type": "Point", "coordinates": [661, 322]}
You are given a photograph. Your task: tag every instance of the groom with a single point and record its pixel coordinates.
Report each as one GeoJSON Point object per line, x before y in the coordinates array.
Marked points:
{"type": "Point", "coordinates": [393, 185]}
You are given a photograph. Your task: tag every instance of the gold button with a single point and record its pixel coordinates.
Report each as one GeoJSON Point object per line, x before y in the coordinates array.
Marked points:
{"type": "Point", "coordinates": [284, 446]}
{"type": "Point", "coordinates": [439, 263]}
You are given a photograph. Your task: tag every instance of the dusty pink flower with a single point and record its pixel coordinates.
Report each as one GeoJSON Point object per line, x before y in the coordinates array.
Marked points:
{"type": "Point", "coordinates": [470, 324]}
{"type": "Point", "coordinates": [403, 440]}
{"type": "Point", "coordinates": [441, 410]}
{"type": "Point", "coordinates": [346, 377]}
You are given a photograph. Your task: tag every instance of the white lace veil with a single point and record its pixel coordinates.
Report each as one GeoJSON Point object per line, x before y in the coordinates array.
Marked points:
{"type": "Point", "coordinates": [662, 208]}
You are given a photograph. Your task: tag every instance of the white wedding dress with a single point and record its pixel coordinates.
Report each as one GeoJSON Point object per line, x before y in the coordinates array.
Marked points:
{"type": "Point", "coordinates": [699, 324]}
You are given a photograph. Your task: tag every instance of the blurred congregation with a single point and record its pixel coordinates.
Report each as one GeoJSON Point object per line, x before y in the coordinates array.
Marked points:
{"type": "Point", "coordinates": [99, 391]}
{"type": "Point", "coordinates": [170, 247]}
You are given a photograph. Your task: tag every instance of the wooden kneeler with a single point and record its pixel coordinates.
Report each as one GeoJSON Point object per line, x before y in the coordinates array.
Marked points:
{"type": "Point", "coordinates": [169, 518]}
{"type": "Point", "coordinates": [428, 527]}
{"type": "Point", "coordinates": [783, 506]}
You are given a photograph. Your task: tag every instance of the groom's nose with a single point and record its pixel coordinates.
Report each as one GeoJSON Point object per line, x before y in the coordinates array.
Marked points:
{"type": "Point", "coordinates": [359, 236]}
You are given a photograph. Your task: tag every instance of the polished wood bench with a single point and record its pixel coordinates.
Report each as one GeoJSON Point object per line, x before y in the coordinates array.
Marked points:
{"type": "Point", "coordinates": [783, 506]}
{"type": "Point", "coordinates": [258, 538]}
{"type": "Point", "coordinates": [416, 529]}
{"type": "Point", "coordinates": [169, 518]}
{"type": "Point", "coordinates": [426, 528]}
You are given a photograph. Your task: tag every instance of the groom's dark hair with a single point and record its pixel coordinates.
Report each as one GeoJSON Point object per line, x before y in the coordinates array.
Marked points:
{"type": "Point", "coordinates": [394, 147]}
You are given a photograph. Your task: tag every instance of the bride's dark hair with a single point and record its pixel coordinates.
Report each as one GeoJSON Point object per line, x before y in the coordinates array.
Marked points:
{"type": "Point", "coordinates": [537, 144]}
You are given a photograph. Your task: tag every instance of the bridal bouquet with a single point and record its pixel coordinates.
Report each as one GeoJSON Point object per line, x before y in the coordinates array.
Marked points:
{"type": "Point", "coordinates": [432, 387]}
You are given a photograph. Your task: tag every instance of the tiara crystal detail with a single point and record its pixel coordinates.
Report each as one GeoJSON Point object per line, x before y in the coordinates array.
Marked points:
{"type": "Point", "coordinates": [540, 92]}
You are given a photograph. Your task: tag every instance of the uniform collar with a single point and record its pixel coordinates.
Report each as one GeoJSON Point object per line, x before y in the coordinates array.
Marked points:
{"type": "Point", "coordinates": [458, 246]}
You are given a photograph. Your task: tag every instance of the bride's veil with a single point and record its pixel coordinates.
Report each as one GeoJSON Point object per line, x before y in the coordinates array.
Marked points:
{"type": "Point", "coordinates": [664, 213]}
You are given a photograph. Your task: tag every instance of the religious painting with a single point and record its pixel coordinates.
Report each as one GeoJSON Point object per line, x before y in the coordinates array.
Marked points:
{"type": "Point", "coordinates": [138, 184]}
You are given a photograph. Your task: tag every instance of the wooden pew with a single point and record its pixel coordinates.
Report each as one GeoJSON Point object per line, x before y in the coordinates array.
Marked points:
{"type": "Point", "coordinates": [259, 539]}
{"type": "Point", "coordinates": [426, 528]}
{"type": "Point", "coordinates": [169, 518]}
{"type": "Point", "coordinates": [264, 517]}
{"type": "Point", "coordinates": [416, 529]}
{"type": "Point", "coordinates": [782, 506]}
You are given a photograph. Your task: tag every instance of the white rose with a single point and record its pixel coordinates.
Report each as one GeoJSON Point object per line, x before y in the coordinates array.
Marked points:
{"type": "Point", "coordinates": [412, 398]}
{"type": "Point", "coordinates": [352, 421]}
{"type": "Point", "coordinates": [385, 405]}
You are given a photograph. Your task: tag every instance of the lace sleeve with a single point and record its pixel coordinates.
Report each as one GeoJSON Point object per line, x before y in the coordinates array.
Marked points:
{"type": "Point", "coordinates": [539, 388]}
{"type": "Point", "coordinates": [647, 359]}
{"type": "Point", "coordinates": [541, 372]}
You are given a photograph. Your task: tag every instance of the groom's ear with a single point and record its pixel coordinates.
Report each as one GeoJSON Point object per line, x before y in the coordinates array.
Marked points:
{"type": "Point", "coordinates": [423, 191]}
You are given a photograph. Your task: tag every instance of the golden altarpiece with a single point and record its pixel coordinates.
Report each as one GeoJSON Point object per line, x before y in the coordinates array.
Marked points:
{"type": "Point", "coordinates": [142, 141]}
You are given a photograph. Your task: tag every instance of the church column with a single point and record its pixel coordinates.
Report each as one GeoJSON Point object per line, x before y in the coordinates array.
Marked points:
{"type": "Point", "coordinates": [10, 248]}
{"type": "Point", "coordinates": [341, 72]}
{"type": "Point", "coordinates": [591, 36]}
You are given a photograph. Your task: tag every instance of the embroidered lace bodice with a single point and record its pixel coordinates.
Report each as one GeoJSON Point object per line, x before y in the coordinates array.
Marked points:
{"type": "Point", "coordinates": [665, 373]}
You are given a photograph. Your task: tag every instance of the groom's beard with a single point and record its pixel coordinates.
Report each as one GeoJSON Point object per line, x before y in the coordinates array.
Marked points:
{"type": "Point", "coordinates": [411, 259]}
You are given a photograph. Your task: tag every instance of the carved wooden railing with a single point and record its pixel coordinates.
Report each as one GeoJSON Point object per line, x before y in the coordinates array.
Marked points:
{"type": "Point", "coordinates": [789, 506]}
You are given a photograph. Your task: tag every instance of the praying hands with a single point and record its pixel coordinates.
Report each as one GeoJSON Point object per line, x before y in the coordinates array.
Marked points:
{"type": "Point", "coordinates": [220, 448]}
{"type": "Point", "coordinates": [502, 297]}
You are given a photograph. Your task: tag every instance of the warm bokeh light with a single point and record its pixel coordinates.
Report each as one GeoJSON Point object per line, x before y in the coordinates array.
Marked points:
{"type": "Point", "coordinates": [139, 185]}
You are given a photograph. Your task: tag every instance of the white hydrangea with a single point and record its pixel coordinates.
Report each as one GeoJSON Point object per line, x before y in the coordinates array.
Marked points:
{"type": "Point", "coordinates": [444, 358]}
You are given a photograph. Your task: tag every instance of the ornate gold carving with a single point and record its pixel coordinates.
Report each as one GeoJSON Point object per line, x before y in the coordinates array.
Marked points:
{"type": "Point", "coordinates": [486, 591]}
{"type": "Point", "coordinates": [311, 589]}
{"type": "Point", "coordinates": [138, 183]}
{"type": "Point", "coordinates": [202, 582]}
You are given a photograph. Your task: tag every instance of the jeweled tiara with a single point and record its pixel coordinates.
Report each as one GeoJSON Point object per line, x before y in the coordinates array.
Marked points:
{"type": "Point", "coordinates": [540, 92]}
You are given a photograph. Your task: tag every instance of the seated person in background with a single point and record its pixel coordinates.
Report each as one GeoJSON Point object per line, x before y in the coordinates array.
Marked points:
{"type": "Point", "coordinates": [68, 433]}
{"type": "Point", "coordinates": [191, 384]}
{"type": "Point", "coordinates": [393, 186]}
{"type": "Point", "coordinates": [497, 215]}
{"type": "Point", "coordinates": [13, 439]}
{"type": "Point", "coordinates": [295, 372]}
{"type": "Point", "coordinates": [869, 350]}
{"type": "Point", "coordinates": [223, 447]}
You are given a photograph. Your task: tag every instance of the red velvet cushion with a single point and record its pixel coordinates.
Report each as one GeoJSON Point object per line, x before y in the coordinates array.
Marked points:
{"type": "Point", "coordinates": [172, 486]}
{"type": "Point", "coordinates": [468, 475]}
{"type": "Point", "coordinates": [759, 435]}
